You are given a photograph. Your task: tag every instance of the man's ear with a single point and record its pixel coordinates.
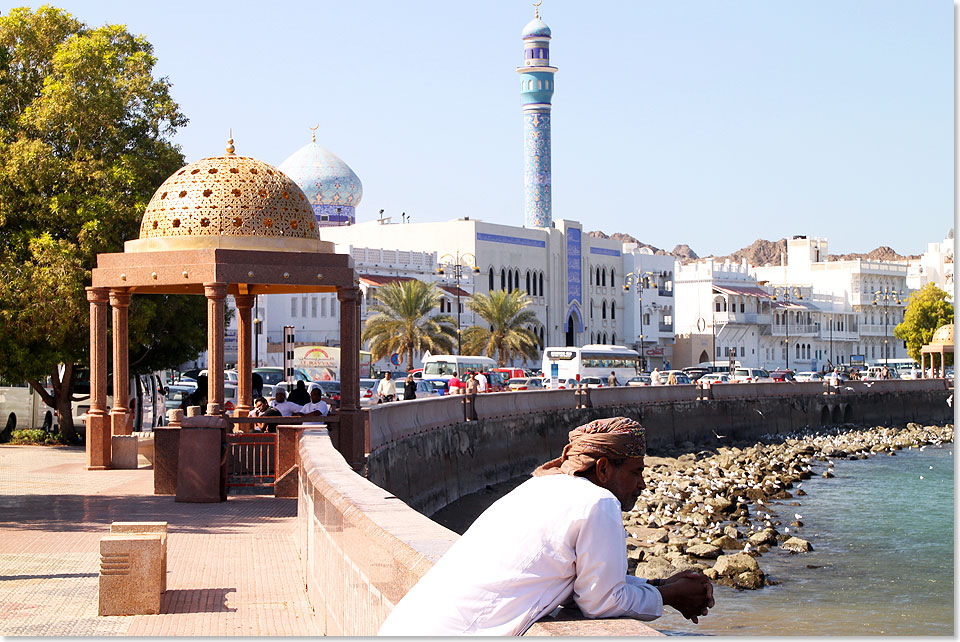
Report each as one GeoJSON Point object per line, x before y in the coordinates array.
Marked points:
{"type": "Point", "coordinates": [602, 469]}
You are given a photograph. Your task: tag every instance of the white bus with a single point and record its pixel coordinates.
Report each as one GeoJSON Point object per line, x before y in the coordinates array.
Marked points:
{"type": "Point", "coordinates": [595, 360]}
{"type": "Point", "coordinates": [444, 366]}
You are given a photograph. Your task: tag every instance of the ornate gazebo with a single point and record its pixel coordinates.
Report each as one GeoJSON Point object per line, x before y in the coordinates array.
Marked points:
{"type": "Point", "coordinates": [940, 344]}
{"type": "Point", "coordinates": [222, 225]}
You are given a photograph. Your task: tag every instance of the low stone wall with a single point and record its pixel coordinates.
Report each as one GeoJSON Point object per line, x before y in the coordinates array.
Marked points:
{"type": "Point", "coordinates": [516, 431]}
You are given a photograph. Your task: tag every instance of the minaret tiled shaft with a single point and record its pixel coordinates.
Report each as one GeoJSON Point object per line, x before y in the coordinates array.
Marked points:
{"type": "Point", "coordinates": [536, 90]}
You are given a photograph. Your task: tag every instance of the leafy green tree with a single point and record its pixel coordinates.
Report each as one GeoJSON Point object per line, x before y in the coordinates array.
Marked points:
{"type": "Point", "coordinates": [927, 310]}
{"type": "Point", "coordinates": [509, 333]}
{"type": "Point", "coordinates": [402, 321]}
{"type": "Point", "coordinates": [85, 134]}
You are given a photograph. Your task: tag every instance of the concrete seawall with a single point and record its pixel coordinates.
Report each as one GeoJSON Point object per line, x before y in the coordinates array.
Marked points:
{"type": "Point", "coordinates": [365, 542]}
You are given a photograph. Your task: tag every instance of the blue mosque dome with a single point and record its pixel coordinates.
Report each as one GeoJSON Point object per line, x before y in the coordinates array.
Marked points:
{"type": "Point", "coordinates": [332, 188]}
{"type": "Point", "coordinates": [536, 28]}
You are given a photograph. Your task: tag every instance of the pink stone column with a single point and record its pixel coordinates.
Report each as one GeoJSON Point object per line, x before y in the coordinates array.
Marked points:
{"type": "Point", "coordinates": [351, 432]}
{"type": "Point", "coordinates": [216, 294]}
{"type": "Point", "coordinates": [244, 354]}
{"type": "Point", "coordinates": [120, 303]}
{"type": "Point", "coordinates": [97, 439]}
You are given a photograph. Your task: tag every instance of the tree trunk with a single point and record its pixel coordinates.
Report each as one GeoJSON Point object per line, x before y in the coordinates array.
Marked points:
{"type": "Point", "coordinates": [60, 400]}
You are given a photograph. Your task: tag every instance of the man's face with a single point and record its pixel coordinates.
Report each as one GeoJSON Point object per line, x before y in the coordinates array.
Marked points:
{"type": "Point", "coordinates": [316, 395]}
{"type": "Point", "coordinates": [280, 396]}
{"type": "Point", "coordinates": [624, 481]}
{"type": "Point", "coordinates": [261, 405]}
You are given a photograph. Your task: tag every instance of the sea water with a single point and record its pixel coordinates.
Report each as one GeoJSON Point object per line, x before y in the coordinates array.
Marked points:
{"type": "Point", "coordinates": [882, 562]}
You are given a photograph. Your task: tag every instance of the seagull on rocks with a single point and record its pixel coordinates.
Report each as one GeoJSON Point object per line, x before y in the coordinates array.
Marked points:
{"type": "Point", "coordinates": [798, 516]}
{"type": "Point", "coordinates": [921, 476]}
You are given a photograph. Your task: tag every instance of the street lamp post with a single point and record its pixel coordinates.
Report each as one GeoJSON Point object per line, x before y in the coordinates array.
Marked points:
{"type": "Point", "coordinates": [787, 293]}
{"type": "Point", "coordinates": [638, 278]}
{"type": "Point", "coordinates": [887, 298]}
{"type": "Point", "coordinates": [456, 263]}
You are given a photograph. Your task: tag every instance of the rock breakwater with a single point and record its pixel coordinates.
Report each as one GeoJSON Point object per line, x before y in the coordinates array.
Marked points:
{"type": "Point", "coordinates": [720, 510]}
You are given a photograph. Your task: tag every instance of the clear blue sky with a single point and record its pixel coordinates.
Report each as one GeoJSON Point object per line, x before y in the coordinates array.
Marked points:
{"type": "Point", "coordinates": [706, 122]}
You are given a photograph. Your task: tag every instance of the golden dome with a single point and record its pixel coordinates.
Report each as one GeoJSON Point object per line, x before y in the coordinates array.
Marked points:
{"type": "Point", "coordinates": [943, 335]}
{"type": "Point", "coordinates": [228, 202]}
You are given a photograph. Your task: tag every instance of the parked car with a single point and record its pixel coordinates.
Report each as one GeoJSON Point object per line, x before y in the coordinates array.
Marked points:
{"type": "Point", "coordinates": [593, 382]}
{"type": "Point", "coordinates": [331, 392]}
{"type": "Point", "coordinates": [639, 380]}
{"type": "Point", "coordinates": [711, 378]}
{"type": "Point", "coordinates": [368, 392]}
{"type": "Point", "coordinates": [496, 381]}
{"type": "Point", "coordinates": [808, 375]}
{"type": "Point", "coordinates": [440, 385]}
{"type": "Point", "coordinates": [175, 394]}
{"type": "Point", "coordinates": [695, 372]}
{"type": "Point", "coordinates": [273, 376]}
{"type": "Point", "coordinates": [562, 384]}
{"type": "Point", "coordinates": [525, 383]}
{"type": "Point", "coordinates": [680, 376]}
{"type": "Point", "coordinates": [230, 397]}
{"type": "Point", "coordinates": [751, 375]}
{"type": "Point", "coordinates": [783, 375]}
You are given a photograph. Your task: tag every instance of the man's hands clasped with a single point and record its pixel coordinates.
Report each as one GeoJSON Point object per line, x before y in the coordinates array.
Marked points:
{"type": "Point", "coordinates": [690, 592]}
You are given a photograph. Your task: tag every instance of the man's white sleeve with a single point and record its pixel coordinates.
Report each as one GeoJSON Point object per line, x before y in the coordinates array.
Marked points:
{"type": "Point", "coordinates": [601, 588]}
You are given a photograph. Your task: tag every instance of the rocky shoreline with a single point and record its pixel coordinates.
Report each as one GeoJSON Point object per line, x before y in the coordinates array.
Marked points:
{"type": "Point", "coordinates": [720, 510]}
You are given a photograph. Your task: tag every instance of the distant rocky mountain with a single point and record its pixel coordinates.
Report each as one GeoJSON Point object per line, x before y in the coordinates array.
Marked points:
{"type": "Point", "coordinates": [760, 252]}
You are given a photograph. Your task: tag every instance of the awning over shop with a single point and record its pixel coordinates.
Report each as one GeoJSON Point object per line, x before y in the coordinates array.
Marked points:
{"type": "Point", "coordinates": [744, 290]}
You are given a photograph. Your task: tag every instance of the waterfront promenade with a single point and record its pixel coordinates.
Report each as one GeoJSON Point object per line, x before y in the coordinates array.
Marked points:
{"type": "Point", "coordinates": [233, 567]}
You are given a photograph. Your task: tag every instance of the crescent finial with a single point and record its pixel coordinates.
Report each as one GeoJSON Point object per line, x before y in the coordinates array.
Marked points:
{"type": "Point", "coordinates": [536, 8]}
{"type": "Point", "coordinates": [313, 135]}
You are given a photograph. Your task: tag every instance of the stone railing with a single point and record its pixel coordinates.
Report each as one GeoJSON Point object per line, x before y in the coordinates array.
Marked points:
{"type": "Point", "coordinates": [362, 549]}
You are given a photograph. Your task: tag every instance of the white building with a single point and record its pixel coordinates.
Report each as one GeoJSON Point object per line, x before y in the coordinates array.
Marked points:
{"type": "Point", "coordinates": [849, 308]}
{"type": "Point", "coordinates": [648, 305]}
{"type": "Point", "coordinates": [722, 315]}
{"type": "Point", "coordinates": [934, 266]}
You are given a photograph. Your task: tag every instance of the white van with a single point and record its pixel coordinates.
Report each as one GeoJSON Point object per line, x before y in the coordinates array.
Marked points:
{"type": "Point", "coordinates": [147, 400]}
{"type": "Point", "coordinates": [21, 408]}
{"type": "Point", "coordinates": [444, 366]}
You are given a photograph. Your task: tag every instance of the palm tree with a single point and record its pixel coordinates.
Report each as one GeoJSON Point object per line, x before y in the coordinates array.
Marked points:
{"type": "Point", "coordinates": [508, 319]}
{"type": "Point", "coordinates": [402, 321]}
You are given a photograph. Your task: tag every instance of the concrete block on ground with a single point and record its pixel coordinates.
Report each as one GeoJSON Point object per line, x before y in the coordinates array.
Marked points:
{"type": "Point", "coordinates": [124, 451]}
{"type": "Point", "coordinates": [147, 528]}
{"type": "Point", "coordinates": [130, 574]}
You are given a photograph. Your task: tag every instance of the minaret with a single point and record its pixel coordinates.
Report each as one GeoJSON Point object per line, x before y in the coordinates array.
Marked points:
{"type": "Point", "coordinates": [536, 90]}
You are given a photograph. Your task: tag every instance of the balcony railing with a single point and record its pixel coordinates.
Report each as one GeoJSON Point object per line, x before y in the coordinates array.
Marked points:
{"type": "Point", "coordinates": [796, 329]}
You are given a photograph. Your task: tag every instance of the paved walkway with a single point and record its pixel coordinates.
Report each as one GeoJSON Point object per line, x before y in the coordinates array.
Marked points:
{"type": "Point", "coordinates": [232, 569]}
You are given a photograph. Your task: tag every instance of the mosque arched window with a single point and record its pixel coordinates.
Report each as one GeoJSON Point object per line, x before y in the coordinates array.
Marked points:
{"type": "Point", "coordinates": [491, 283]}
{"type": "Point", "coordinates": [528, 282]}
{"type": "Point", "coordinates": [603, 310]}
{"type": "Point", "coordinates": [503, 279]}
{"type": "Point", "coordinates": [613, 338]}
{"type": "Point", "coordinates": [591, 308]}
{"type": "Point", "coordinates": [591, 275]}
{"type": "Point", "coordinates": [613, 276]}
{"type": "Point", "coordinates": [516, 279]}
{"type": "Point", "coordinates": [539, 85]}
{"type": "Point", "coordinates": [613, 310]}
{"type": "Point", "coordinates": [603, 277]}
{"type": "Point", "coordinates": [598, 277]}
{"type": "Point", "coordinates": [540, 289]}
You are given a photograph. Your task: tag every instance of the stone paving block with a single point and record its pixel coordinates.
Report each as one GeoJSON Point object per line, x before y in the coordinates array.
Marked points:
{"type": "Point", "coordinates": [125, 451]}
{"type": "Point", "coordinates": [159, 528]}
{"type": "Point", "coordinates": [129, 574]}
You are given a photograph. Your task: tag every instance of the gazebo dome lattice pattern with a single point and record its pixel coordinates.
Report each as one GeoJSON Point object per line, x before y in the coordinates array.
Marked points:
{"type": "Point", "coordinates": [943, 335]}
{"type": "Point", "coordinates": [233, 196]}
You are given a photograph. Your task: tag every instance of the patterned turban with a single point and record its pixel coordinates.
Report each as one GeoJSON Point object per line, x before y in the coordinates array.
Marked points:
{"type": "Point", "coordinates": [613, 438]}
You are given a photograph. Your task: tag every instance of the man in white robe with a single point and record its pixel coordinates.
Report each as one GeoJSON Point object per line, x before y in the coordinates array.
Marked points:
{"type": "Point", "coordinates": [556, 539]}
